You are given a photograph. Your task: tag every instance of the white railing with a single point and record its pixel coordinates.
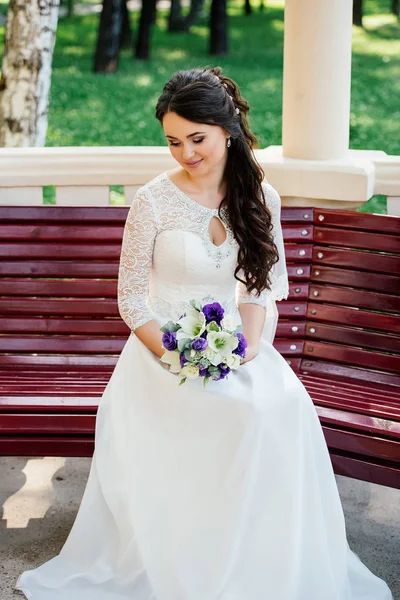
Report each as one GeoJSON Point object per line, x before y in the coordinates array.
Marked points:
{"type": "Point", "coordinates": [83, 175]}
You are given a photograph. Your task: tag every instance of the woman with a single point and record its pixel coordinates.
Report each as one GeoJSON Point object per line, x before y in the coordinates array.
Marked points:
{"type": "Point", "coordinates": [223, 493]}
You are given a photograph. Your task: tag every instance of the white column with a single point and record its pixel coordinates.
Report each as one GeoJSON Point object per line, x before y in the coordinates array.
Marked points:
{"type": "Point", "coordinates": [317, 76]}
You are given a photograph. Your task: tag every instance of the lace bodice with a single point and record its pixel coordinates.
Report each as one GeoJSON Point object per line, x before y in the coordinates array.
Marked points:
{"type": "Point", "coordinates": [167, 256]}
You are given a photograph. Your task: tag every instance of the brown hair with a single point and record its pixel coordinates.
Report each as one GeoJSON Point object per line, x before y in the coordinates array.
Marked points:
{"type": "Point", "coordinates": [203, 96]}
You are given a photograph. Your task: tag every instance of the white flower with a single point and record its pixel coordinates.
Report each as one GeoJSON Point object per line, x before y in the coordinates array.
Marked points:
{"type": "Point", "coordinates": [193, 325]}
{"type": "Point", "coordinates": [222, 342]}
{"type": "Point", "coordinates": [214, 357]}
{"type": "Point", "coordinates": [189, 371]}
{"type": "Point", "coordinates": [171, 357]}
{"type": "Point", "coordinates": [229, 323]}
{"type": "Point", "coordinates": [233, 361]}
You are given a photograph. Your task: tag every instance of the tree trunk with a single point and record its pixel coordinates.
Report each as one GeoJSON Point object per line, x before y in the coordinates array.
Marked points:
{"type": "Point", "coordinates": [175, 19]}
{"type": "Point", "coordinates": [154, 16]}
{"type": "Point", "coordinates": [70, 8]}
{"type": "Point", "coordinates": [26, 72]}
{"type": "Point", "coordinates": [247, 7]}
{"type": "Point", "coordinates": [109, 36]}
{"type": "Point", "coordinates": [357, 12]}
{"type": "Point", "coordinates": [396, 7]}
{"type": "Point", "coordinates": [144, 35]}
{"type": "Point", "coordinates": [262, 6]}
{"type": "Point", "coordinates": [126, 39]}
{"type": "Point", "coordinates": [196, 7]}
{"type": "Point", "coordinates": [219, 27]}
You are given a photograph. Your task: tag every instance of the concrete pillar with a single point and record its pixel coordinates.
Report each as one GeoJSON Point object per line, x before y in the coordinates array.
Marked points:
{"type": "Point", "coordinates": [317, 77]}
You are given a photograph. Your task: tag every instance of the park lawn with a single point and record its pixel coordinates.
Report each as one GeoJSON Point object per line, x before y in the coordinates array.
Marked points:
{"type": "Point", "coordinates": [87, 109]}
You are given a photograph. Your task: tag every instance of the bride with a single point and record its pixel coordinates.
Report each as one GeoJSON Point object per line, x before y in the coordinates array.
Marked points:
{"type": "Point", "coordinates": [222, 493]}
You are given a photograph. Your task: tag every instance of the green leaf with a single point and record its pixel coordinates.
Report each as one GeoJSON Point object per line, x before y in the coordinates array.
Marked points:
{"type": "Point", "coordinates": [213, 326]}
{"type": "Point", "coordinates": [183, 344]}
{"type": "Point", "coordinates": [187, 354]}
{"type": "Point", "coordinates": [182, 381]}
{"type": "Point", "coordinates": [170, 326]}
{"type": "Point", "coordinates": [196, 305]}
{"type": "Point", "coordinates": [205, 381]}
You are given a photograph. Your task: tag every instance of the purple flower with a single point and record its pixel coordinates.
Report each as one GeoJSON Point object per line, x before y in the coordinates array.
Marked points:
{"type": "Point", "coordinates": [213, 312]}
{"type": "Point", "coordinates": [224, 371]}
{"type": "Point", "coordinates": [241, 348]}
{"type": "Point", "coordinates": [203, 372]}
{"type": "Point", "coordinates": [199, 344]}
{"type": "Point", "coordinates": [182, 359]}
{"type": "Point", "coordinates": [169, 340]}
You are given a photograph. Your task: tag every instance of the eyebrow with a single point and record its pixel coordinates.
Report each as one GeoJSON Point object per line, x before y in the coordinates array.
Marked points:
{"type": "Point", "coordinates": [188, 136]}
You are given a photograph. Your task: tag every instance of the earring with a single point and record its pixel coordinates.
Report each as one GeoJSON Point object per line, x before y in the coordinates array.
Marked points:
{"type": "Point", "coordinates": [229, 143]}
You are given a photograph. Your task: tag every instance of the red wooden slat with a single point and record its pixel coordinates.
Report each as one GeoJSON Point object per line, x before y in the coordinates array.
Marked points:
{"type": "Point", "coordinates": [284, 347]}
{"type": "Point", "coordinates": [53, 405]}
{"type": "Point", "coordinates": [53, 325]}
{"type": "Point", "coordinates": [353, 337]}
{"type": "Point", "coordinates": [357, 220]}
{"type": "Point", "coordinates": [380, 242]}
{"type": "Point", "coordinates": [352, 356]}
{"type": "Point", "coordinates": [379, 473]}
{"type": "Point", "coordinates": [339, 380]}
{"type": "Point", "coordinates": [363, 424]}
{"type": "Point", "coordinates": [75, 251]}
{"type": "Point", "coordinates": [288, 329]}
{"type": "Point", "coordinates": [354, 405]}
{"type": "Point", "coordinates": [66, 288]}
{"type": "Point", "coordinates": [71, 424]}
{"type": "Point", "coordinates": [294, 233]}
{"type": "Point", "coordinates": [63, 214]}
{"type": "Point", "coordinates": [344, 371]}
{"type": "Point", "coordinates": [350, 316]}
{"type": "Point", "coordinates": [75, 232]}
{"type": "Point", "coordinates": [358, 443]}
{"type": "Point", "coordinates": [101, 363]}
{"type": "Point", "coordinates": [355, 298]}
{"type": "Point", "coordinates": [358, 279]}
{"type": "Point", "coordinates": [59, 268]}
{"type": "Point", "coordinates": [62, 344]}
{"type": "Point", "coordinates": [354, 259]}
{"type": "Point", "coordinates": [46, 446]}
{"type": "Point", "coordinates": [71, 307]}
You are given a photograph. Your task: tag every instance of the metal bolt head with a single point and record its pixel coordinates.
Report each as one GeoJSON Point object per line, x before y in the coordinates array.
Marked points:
{"type": "Point", "coordinates": [293, 346]}
{"type": "Point", "coordinates": [297, 290]}
{"type": "Point", "coordinates": [312, 329]}
{"type": "Point", "coordinates": [315, 293]}
{"type": "Point", "coordinates": [296, 308]}
{"type": "Point", "coordinates": [299, 271]}
{"type": "Point", "coordinates": [314, 311]}
{"type": "Point", "coordinates": [304, 232]}
{"type": "Point", "coordinates": [310, 348]}
{"type": "Point", "coordinates": [321, 217]}
{"type": "Point", "coordinates": [302, 252]}
{"type": "Point", "coordinates": [317, 272]}
{"type": "Point", "coordinates": [320, 255]}
{"type": "Point", "coordinates": [306, 216]}
{"type": "Point", "coordinates": [295, 328]}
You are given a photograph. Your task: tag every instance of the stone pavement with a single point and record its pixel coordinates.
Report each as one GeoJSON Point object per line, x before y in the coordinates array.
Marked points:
{"type": "Point", "coordinates": [40, 498]}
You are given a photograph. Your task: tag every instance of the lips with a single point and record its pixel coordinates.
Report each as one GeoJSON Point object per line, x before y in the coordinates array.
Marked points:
{"type": "Point", "coordinates": [194, 164]}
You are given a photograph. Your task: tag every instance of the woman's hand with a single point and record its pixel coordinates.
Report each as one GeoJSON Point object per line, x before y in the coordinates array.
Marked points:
{"type": "Point", "coordinates": [251, 352]}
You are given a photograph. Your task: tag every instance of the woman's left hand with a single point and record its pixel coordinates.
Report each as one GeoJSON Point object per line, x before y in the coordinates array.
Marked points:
{"type": "Point", "coordinates": [251, 352]}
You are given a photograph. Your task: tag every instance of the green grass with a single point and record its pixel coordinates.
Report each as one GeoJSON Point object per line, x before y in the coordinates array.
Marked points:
{"type": "Point", "coordinates": [99, 110]}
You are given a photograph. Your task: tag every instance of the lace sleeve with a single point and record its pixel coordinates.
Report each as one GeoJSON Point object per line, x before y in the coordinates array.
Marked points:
{"type": "Point", "coordinates": [136, 261]}
{"type": "Point", "coordinates": [279, 277]}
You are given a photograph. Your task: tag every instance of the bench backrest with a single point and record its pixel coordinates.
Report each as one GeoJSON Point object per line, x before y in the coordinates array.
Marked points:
{"type": "Point", "coordinates": [58, 297]}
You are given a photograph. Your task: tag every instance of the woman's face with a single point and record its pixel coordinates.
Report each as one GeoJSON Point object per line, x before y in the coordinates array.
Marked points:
{"type": "Point", "coordinates": [200, 149]}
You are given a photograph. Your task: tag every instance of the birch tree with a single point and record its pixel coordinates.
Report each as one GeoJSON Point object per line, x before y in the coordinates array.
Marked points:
{"type": "Point", "coordinates": [26, 72]}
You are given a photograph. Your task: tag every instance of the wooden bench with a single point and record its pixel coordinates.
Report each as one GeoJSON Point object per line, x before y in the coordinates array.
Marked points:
{"type": "Point", "coordinates": [61, 333]}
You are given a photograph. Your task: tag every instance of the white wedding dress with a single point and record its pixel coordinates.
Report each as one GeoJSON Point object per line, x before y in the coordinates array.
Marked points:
{"type": "Point", "coordinates": [223, 493]}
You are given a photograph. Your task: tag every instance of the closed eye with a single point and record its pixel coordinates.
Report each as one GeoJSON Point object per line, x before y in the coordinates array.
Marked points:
{"type": "Point", "coordinates": [178, 143]}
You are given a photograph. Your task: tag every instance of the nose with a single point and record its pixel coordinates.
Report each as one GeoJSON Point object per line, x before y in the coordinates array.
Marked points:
{"type": "Point", "coordinates": [188, 152]}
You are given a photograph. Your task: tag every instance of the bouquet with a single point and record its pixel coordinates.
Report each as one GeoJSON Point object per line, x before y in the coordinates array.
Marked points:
{"type": "Point", "coordinates": [202, 343]}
